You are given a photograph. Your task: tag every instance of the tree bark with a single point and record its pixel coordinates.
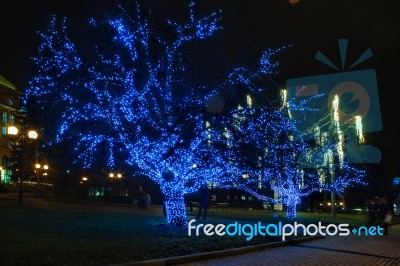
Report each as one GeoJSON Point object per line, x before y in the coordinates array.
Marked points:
{"type": "Point", "coordinates": [333, 204]}
{"type": "Point", "coordinates": [174, 206]}
{"type": "Point", "coordinates": [291, 211]}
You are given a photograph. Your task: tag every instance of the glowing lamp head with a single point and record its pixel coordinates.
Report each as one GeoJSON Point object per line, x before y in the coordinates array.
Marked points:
{"type": "Point", "coordinates": [45, 167]}
{"type": "Point", "coordinates": [84, 178]}
{"type": "Point", "coordinates": [32, 134]}
{"type": "Point", "coordinates": [12, 130]}
{"type": "Point", "coordinates": [119, 175]}
{"type": "Point", "coordinates": [111, 175]}
{"type": "Point", "coordinates": [37, 166]}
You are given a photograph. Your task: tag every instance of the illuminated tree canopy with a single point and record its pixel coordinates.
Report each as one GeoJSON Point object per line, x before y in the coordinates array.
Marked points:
{"type": "Point", "coordinates": [129, 97]}
{"type": "Point", "coordinates": [260, 147]}
{"type": "Point", "coordinates": [266, 151]}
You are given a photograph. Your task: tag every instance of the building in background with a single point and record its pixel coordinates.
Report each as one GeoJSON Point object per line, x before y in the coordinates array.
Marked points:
{"type": "Point", "coordinates": [9, 105]}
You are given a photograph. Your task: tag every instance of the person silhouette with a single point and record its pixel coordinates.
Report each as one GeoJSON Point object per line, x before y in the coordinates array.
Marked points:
{"type": "Point", "coordinates": [203, 202]}
{"type": "Point", "coordinates": [143, 199]}
{"type": "Point", "coordinates": [387, 221]}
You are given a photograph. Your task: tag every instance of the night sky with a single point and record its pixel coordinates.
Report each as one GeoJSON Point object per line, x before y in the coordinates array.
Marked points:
{"type": "Point", "coordinates": [249, 28]}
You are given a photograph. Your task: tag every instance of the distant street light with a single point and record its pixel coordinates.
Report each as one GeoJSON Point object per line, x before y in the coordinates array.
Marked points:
{"type": "Point", "coordinates": [112, 175]}
{"type": "Point", "coordinates": [32, 134]}
{"type": "Point", "coordinates": [116, 177]}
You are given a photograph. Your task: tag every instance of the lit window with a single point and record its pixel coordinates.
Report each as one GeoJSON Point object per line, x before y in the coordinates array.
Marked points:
{"type": "Point", "coordinates": [5, 120]}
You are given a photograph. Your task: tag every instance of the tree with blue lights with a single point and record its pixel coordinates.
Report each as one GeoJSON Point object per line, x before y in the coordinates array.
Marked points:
{"type": "Point", "coordinates": [129, 98]}
{"type": "Point", "coordinates": [256, 139]}
{"type": "Point", "coordinates": [263, 144]}
{"type": "Point", "coordinates": [270, 169]}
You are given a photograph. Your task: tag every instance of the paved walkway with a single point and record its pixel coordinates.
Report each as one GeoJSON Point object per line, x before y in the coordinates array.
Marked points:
{"type": "Point", "coordinates": [349, 250]}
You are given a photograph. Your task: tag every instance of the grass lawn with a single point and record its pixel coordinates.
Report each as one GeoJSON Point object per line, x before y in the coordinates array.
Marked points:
{"type": "Point", "coordinates": [54, 233]}
{"type": "Point", "coordinates": [50, 232]}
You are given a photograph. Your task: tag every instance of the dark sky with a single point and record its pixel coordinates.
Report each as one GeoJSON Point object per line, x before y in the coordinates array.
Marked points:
{"type": "Point", "coordinates": [249, 27]}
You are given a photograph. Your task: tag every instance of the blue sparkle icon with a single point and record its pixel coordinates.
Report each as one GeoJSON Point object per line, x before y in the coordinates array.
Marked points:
{"type": "Point", "coordinates": [354, 231]}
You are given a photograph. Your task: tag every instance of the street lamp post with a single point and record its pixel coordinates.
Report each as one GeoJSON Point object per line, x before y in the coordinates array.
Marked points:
{"type": "Point", "coordinates": [39, 180]}
{"type": "Point", "coordinates": [246, 204]}
{"type": "Point", "coordinates": [117, 177]}
{"type": "Point", "coordinates": [21, 139]}
{"type": "Point", "coordinates": [37, 167]}
{"type": "Point", "coordinates": [84, 190]}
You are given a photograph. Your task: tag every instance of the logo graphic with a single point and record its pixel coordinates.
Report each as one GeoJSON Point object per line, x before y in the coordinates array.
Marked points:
{"type": "Point", "coordinates": [358, 94]}
{"type": "Point", "coordinates": [283, 230]}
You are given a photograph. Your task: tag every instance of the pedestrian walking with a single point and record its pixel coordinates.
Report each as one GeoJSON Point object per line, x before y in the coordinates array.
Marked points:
{"type": "Point", "coordinates": [203, 202]}
{"type": "Point", "coordinates": [143, 199]}
{"type": "Point", "coordinates": [387, 221]}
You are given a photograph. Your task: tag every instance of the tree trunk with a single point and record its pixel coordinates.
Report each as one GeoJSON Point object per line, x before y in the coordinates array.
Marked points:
{"type": "Point", "coordinates": [174, 206]}
{"type": "Point", "coordinates": [333, 204]}
{"type": "Point", "coordinates": [291, 212]}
